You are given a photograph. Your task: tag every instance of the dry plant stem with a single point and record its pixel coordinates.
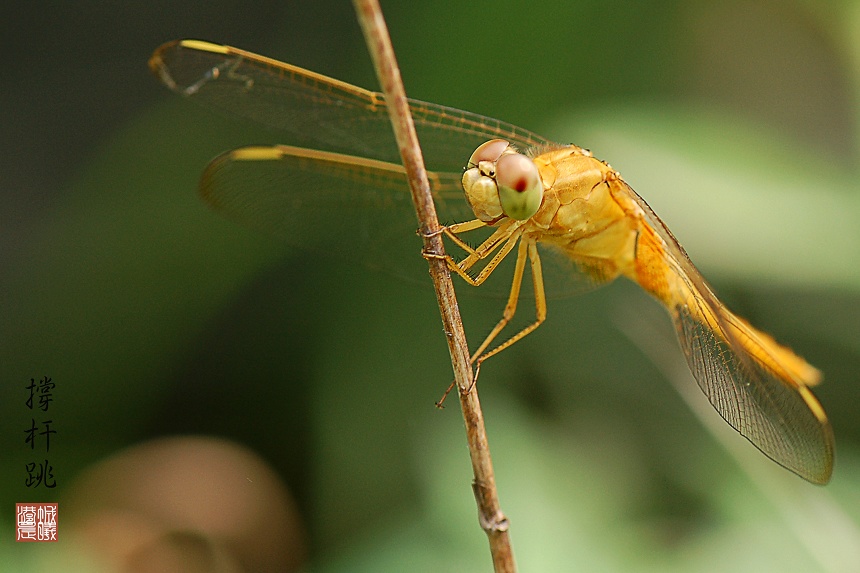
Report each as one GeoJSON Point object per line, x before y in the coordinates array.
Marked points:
{"type": "Point", "coordinates": [490, 515]}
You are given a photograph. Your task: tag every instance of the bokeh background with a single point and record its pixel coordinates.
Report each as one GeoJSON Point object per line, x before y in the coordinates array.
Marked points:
{"type": "Point", "coordinates": [226, 403]}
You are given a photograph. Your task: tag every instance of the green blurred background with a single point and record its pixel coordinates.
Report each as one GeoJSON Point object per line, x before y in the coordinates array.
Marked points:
{"type": "Point", "coordinates": [736, 120]}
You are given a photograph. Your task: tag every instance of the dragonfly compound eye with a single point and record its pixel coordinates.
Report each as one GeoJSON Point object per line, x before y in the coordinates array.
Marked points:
{"type": "Point", "coordinates": [489, 151]}
{"type": "Point", "coordinates": [520, 187]}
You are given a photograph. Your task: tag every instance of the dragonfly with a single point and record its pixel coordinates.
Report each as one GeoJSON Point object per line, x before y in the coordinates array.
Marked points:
{"type": "Point", "coordinates": [533, 198]}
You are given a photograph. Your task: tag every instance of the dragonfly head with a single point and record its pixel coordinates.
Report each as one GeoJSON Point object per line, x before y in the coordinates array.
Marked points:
{"type": "Point", "coordinates": [499, 181]}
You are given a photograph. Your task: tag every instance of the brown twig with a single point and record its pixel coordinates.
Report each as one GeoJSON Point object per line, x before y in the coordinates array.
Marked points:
{"type": "Point", "coordinates": [490, 515]}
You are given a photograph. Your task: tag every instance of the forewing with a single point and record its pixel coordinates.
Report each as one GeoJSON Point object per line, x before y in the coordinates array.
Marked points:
{"type": "Point", "coordinates": [312, 110]}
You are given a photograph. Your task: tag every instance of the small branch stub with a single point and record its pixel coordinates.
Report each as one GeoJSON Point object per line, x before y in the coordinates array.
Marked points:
{"type": "Point", "coordinates": [492, 524]}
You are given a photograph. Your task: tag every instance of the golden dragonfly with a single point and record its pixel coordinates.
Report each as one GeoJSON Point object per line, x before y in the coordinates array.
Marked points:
{"type": "Point", "coordinates": [527, 190]}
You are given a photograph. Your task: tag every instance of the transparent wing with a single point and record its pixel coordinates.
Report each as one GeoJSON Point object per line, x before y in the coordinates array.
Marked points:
{"type": "Point", "coordinates": [757, 386]}
{"type": "Point", "coordinates": [315, 111]}
{"type": "Point", "coordinates": [355, 208]}
{"type": "Point", "coordinates": [339, 193]}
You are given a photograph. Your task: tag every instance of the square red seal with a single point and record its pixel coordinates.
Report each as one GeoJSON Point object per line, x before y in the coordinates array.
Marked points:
{"type": "Point", "coordinates": [36, 522]}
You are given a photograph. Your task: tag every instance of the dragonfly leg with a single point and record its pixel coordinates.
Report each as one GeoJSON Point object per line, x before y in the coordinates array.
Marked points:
{"type": "Point", "coordinates": [510, 236]}
{"type": "Point", "coordinates": [441, 402]}
{"type": "Point", "coordinates": [484, 249]}
{"type": "Point", "coordinates": [455, 229]}
{"type": "Point", "coordinates": [462, 268]}
{"type": "Point", "coordinates": [528, 248]}
{"type": "Point", "coordinates": [506, 236]}
{"type": "Point", "coordinates": [451, 231]}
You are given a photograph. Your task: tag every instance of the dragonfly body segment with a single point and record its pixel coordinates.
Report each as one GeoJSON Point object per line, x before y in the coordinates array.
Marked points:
{"type": "Point", "coordinates": [552, 196]}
